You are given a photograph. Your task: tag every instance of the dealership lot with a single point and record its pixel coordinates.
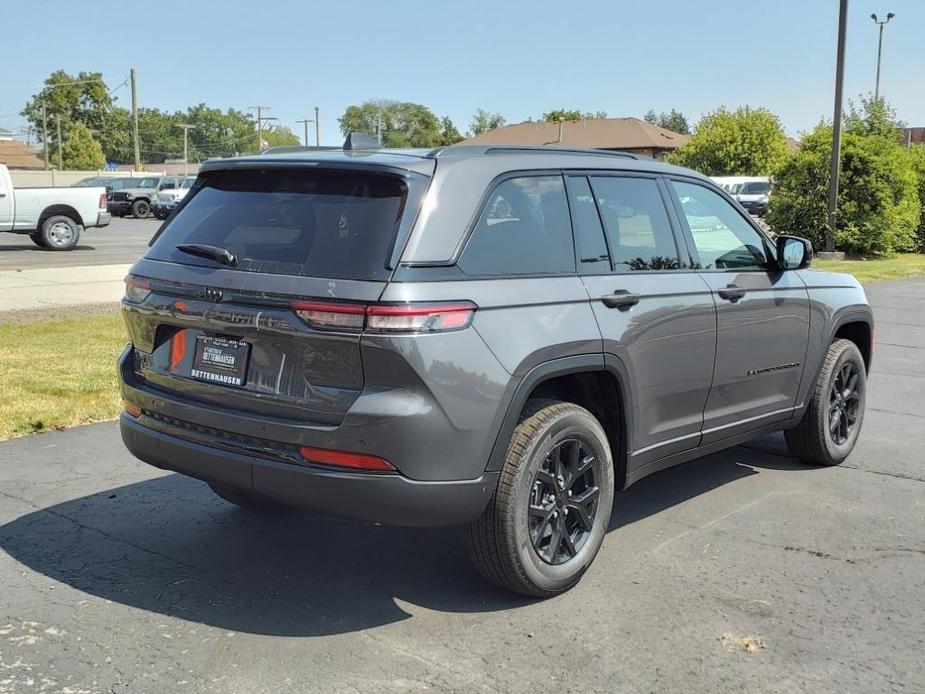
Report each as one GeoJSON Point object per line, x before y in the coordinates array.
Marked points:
{"type": "Point", "coordinates": [740, 572]}
{"type": "Point", "coordinates": [119, 243]}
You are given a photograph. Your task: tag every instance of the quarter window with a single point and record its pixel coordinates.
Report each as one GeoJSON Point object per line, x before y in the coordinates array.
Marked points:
{"type": "Point", "coordinates": [524, 229]}
{"type": "Point", "coordinates": [724, 240]}
{"type": "Point", "coordinates": [638, 231]}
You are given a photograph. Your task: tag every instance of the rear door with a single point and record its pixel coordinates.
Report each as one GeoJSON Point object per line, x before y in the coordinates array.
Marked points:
{"type": "Point", "coordinates": [762, 315]}
{"type": "Point", "coordinates": [655, 313]}
{"type": "Point", "coordinates": [260, 334]}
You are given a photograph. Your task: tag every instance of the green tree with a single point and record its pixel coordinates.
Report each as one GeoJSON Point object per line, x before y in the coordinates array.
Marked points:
{"type": "Point", "coordinates": [80, 151]}
{"type": "Point", "coordinates": [873, 117]}
{"type": "Point", "coordinates": [674, 121]}
{"type": "Point", "coordinates": [280, 136]}
{"type": "Point", "coordinates": [404, 124]}
{"type": "Point", "coordinates": [449, 133]}
{"type": "Point", "coordinates": [557, 114]}
{"type": "Point", "coordinates": [83, 98]}
{"type": "Point", "coordinates": [744, 142]}
{"type": "Point", "coordinates": [483, 121]}
{"type": "Point", "coordinates": [651, 117]}
{"type": "Point", "coordinates": [878, 207]}
{"type": "Point", "coordinates": [917, 159]}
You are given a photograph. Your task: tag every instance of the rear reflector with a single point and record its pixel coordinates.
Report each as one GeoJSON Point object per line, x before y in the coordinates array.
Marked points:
{"type": "Point", "coordinates": [387, 318]}
{"type": "Point", "coordinates": [354, 461]}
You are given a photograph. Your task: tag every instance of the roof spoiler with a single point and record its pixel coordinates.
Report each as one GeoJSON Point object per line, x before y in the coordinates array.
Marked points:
{"type": "Point", "coordinates": [360, 141]}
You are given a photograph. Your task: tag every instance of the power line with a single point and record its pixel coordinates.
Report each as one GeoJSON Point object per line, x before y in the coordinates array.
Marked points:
{"type": "Point", "coordinates": [55, 86]}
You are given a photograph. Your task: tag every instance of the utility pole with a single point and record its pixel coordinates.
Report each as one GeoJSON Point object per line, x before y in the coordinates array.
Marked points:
{"type": "Point", "coordinates": [186, 129]}
{"type": "Point", "coordinates": [135, 122]}
{"type": "Point", "coordinates": [317, 129]}
{"type": "Point", "coordinates": [45, 133]}
{"type": "Point", "coordinates": [305, 122]}
{"type": "Point", "coordinates": [836, 125]}
{"type": "Point", "coordinates": [60, 160]}
{"type": "Point", "coordinates": [880, 23]}
{"type": "Point", "coordinates": [260, 119]}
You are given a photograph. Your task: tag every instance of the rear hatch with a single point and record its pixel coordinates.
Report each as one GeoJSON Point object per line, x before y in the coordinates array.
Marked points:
{"type": "Point", "coordinates": [238, 324]}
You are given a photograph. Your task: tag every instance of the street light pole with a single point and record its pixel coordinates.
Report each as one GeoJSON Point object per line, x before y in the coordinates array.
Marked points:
{"type": "Point", "coordinates": [836, 125]}
{"type": "Point", "coordinates": [317, 129]}
{"type": "Point", "coordinates": [880, 24]}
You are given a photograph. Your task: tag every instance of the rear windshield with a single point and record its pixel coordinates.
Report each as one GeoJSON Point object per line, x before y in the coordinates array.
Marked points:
{"type": "Point", "coordinates": [314, 223]}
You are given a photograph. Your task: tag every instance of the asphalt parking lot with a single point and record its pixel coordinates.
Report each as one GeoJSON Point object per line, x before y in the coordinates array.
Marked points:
{"type": "Point", "coordinates": [122, 241]}
{"type": "Point", "coordinates": [741, 572]}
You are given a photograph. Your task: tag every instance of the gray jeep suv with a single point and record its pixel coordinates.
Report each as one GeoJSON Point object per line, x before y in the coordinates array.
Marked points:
{"type": "Point", "coordinates": [492, 336]}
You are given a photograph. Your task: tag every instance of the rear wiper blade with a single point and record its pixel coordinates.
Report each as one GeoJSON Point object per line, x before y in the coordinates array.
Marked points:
{"type": "Point", "coordinates": [221, 255]}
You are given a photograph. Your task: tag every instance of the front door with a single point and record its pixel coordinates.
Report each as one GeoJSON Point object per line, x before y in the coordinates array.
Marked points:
{"type": "Point", "coordinates": [6, 205]}
{"type": "Point", "coordinates": [655, 313]}
{"type": "Point", "coordinates": [762, 315]}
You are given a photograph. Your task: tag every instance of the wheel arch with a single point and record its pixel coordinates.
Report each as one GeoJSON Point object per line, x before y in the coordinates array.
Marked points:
{"type": "Point", "coordinates": [859, 330]}
{"type": "Point", "coordinates": [59, 209]}
{"type": "Point", "coordinates": [600, 385]}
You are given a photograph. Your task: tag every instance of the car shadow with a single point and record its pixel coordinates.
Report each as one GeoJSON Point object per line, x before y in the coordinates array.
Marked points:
{"type": "Point", "coordinates": [168, 545]}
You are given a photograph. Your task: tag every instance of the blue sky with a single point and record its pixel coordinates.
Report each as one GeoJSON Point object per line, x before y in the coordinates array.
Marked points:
{"type": "Point", "coordinates": [518, 58]}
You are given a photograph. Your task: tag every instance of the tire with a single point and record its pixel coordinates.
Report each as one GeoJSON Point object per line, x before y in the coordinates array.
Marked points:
{"type": "Point", "coordinates": [36, 237]}
{"type": "Point", "coordinates": [818, 439]}
{"type": "Point", "coordinates": [244, 499]}
{"type": "Point", "coordinates": [59, 233]}
{"type": "Point", "coordinates": [509, 544]}
{"type": "Point", "coordinates": [141, 209]}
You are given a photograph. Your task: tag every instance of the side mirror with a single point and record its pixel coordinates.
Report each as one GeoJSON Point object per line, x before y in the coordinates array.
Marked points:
{"type": "Point", "coordinates": [793, 253]}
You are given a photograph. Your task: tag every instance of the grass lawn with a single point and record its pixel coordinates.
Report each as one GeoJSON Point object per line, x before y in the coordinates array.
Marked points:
{"type": "Point", "coordinates": [902, 265]}
{"type": "Point", "coordinates": [59, 373]}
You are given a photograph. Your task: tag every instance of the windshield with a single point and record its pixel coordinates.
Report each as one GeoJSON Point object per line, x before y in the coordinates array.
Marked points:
{"type": "Point", "coordinates": [188, 183]}
{"type": "Point", "coordinates": [755, 188]}
{"type": "Point", "coordinates": [318, 223]}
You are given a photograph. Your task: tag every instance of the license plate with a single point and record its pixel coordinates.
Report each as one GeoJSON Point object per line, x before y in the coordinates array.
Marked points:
{"type": "Point", "coordinates": [220, 360]}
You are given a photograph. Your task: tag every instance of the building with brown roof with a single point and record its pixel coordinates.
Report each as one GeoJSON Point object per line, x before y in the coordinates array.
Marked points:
{"type": "Point", "coordinates": [625, 134]}
{"type": "Point", "coordinates": [913, 136]}
{"type": "Point", "coordinates": [17, 155]}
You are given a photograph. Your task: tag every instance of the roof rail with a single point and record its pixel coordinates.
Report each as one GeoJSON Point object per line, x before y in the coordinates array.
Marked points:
{"type": "Point", "coordinates": [528, 149]}
{"type": "Point", "coordinates": [292, 149]}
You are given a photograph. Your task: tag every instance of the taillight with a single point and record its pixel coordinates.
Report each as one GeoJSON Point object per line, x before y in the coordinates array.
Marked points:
{"type": "Point", "coordinates": [136, 289]}
{"type": "Point", "coordinates": [419, 318]}
{"type": "Point", "coordinates": [354, 461]}
{"type": "Point", "coordinates": [386, 318]}
{"type": "Point", "coordinates": [102, 201]}
{"type": "Point", "coordinates": [329, 314]}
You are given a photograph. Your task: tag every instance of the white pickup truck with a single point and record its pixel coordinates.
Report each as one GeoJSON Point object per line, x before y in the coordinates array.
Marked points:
{"type": "Point", "coordinates": [53, 217]}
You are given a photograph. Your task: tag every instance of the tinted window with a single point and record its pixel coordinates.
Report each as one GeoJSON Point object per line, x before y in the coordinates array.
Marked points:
{"type": "Point", "coordinates": [724, 240]}
{"type": "Point", "coordinates": [524, 229]}
{"type": "Point", "coordinates": [589, 234]}
{"type": "Point", "coordinates": [314, 223]}
{"type": "Point", "coordinates": [638, 231]}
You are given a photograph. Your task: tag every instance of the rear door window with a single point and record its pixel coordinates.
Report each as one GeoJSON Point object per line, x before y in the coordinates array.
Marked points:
{"type": "Point", "coordinates": [524, 229]}
{"type": "Point", "coordinates": [316, 223]}
{"type": "Point", "coordinates": [636, 222]}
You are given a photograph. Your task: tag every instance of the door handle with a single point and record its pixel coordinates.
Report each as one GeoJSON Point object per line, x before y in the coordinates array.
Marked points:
{"type": "Point", "coordinates": [2, 195]}
{"type": "Point", "coordinates": [731, 293]}
{"type": "Point", "coordinates": [620, 299]}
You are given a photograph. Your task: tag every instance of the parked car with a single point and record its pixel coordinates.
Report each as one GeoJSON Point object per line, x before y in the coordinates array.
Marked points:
{"type": "Point", "coordinates": [93, 182]}
{"type": "Point", "coordinates": [499, 337]}
{"type": "Point", "coordinates": [168, 198]}
{"type": "Point", "coordinates": [133, 196]}
{"type": "Point", "coordinates": [52, 217]}
{"type": "Point", "coordinates": [754, 196]}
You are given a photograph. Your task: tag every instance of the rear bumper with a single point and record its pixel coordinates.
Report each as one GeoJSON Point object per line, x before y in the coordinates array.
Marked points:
{"type": "Point", "coordinates": [383, 498]}
{"type": "Point", "coordinates": [103, 219]}
{"type": "Point", "coordinates": [121, 207]}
